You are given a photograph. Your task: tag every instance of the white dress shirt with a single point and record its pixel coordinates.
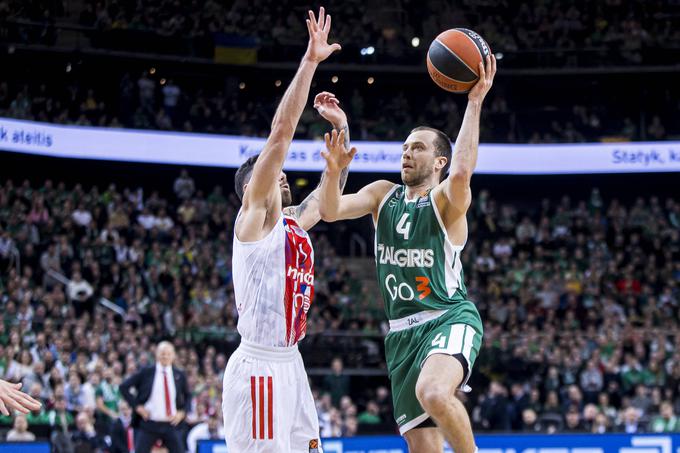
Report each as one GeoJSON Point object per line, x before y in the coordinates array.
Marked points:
{"type": "Point", "coordinates": [156, 403]}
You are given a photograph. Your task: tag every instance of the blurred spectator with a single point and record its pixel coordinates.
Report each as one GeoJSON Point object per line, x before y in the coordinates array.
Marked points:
{"type": "Point", "coordinates": [122, 431]}
{"type": "Point", "coordinates": [19, 431]}
{"type": "Point", "coordinates": [336, 383]}
{"type": "Point", "coordinates": [184, 186]}
{"type": "Point", "coordinates": [209, 430]}
{"type": "Point", "coordinates": [666, 421]}
{"type": "Point", "coordinates": [630, 422]}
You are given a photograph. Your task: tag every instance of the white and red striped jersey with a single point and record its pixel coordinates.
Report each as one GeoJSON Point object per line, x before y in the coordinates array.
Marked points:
{"type": "Point", "coordinates": [274, 285]}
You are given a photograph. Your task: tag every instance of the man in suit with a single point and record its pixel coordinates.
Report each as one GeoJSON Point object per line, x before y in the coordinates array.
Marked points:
{"type": "Point", "coordinates": [122, 432]}
{"type": "Point", "coordinates": [161, 402]}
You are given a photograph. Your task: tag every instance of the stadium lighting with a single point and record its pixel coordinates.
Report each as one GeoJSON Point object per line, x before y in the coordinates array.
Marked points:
{"type": "Point", "coordinates": [370, 50]}
{"type": "Point", "coordinates": [163, 81]}
{"type": "Point", "coordinates": [335, 79]}
{"type": "Point", "coordinates": [152, 71]}
{"type": "Point", "coordinates": [242, 86]}
{"type": "Point", "coordinates": [68, 67]}
{"type": "Point", "coordinates": [277, 83]}
{"type": "Point", "coordinates": [370, 80]}
{"type": "Point", "coordinates": [415, 42]}
{"type": "Point", "coordinates": [499, 55]}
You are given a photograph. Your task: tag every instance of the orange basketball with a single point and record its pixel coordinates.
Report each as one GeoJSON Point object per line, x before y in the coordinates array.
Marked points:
{"type": "Point", "coordinates": [453, 59]}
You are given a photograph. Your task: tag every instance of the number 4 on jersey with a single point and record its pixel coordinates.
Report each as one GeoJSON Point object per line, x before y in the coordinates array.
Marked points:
{"type": "Point", "coordinates": [403, 227]}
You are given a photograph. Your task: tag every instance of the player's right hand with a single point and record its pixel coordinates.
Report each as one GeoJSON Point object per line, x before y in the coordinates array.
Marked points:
{"type": "Point", "coordinates": [318, 48]}
{"type": "Point", "coordinates": [336, 155]}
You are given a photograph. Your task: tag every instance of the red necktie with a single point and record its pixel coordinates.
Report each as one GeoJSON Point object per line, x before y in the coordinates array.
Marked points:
{"type": "Point", "coordinates": [130, 440]}
{"type": "Point", "coordinates": [168, 405]}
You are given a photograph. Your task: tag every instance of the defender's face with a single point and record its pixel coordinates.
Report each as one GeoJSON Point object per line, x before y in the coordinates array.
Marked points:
{"type": "Point", "coordinates": [286, 195]}
{"type": "Point", "coordinates": [418, 158]}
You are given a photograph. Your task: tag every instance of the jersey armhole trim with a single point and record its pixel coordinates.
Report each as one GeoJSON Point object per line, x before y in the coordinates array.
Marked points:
{"type": "Point", "coordinates": [382, 202]}
{"type": "Point", "coordinates": [435, 208]}
{"type": "Point", "coordinates": [240, 242]}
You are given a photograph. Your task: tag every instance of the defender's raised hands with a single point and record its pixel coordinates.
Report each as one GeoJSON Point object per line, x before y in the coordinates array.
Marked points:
{"type": "Point", "coordinates": [337, 156]}
{"type": "Point", "coordinates": [318, 48]}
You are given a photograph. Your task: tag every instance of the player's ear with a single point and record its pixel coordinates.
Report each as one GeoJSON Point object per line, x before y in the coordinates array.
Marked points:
{"type": "Point", "coordinates": [440, 162]}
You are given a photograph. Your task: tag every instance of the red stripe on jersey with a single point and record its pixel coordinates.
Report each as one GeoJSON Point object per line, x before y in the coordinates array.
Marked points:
{"type": "Point", "coordinates": [270, 414]}
{"type": "Point", "coordinates": [299, 269]}
{"type": "Point", "coordinates": [254, 407]}
{"type": "Point", "coordinates": [261, 407]}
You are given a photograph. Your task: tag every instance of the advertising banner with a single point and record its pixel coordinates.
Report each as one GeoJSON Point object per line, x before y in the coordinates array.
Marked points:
{"type": "Point", "coordinates": [305, 155]}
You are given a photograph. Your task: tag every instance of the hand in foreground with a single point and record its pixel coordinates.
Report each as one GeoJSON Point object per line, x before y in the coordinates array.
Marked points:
{"type": "Point", "coordinates": [328, 107]}
{"type": "Point", "coordinates": [486, 75]}
{"type": "Point", "coordinates": [13, 398]}
{"type": "Point", "coordinates": [336, 155]}
{"type": "Point", "coordinates": [318, 48]}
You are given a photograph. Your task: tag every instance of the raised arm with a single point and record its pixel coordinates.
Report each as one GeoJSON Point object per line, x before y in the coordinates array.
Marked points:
{"type": "Point", "coordinates": [456, 188]}
{"type": "Point", "coordinates": [307, 212]}
{"type": "Point", "coordinates": [262, 198]}
{"type": "Point", "coordinates": [332, 204]}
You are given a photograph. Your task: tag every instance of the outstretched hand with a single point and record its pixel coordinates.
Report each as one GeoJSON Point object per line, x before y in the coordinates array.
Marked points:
{"type": "Point", "coordinates": [486, 75]}
{"type": "Point", "coordinates": [11, 398]}
{"type": "Point", "coordinates": [318, 48]}
{"type": "Point", "coordinates": [328, 107]}
{"type": "Point", "coordinates": [337, 156]}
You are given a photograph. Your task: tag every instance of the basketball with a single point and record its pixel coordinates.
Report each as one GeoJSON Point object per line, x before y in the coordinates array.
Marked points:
{"type": "Point", "coordinates": [453, 59]}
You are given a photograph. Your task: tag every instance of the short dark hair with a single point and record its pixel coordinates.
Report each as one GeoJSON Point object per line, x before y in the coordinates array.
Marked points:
{"type": "Point", "coordinates": [442, 147]}
{"type": "Point", "coordinates": [243, 175]}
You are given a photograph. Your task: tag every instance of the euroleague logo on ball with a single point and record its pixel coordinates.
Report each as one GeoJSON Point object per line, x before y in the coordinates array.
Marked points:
{"type": "Point", "coordinates": [475, 36]}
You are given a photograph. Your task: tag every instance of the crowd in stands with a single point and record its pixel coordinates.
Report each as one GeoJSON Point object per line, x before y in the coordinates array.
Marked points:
{"type": "Point", "coordinates": [628, 28]}
{"type": "Point", "coordinates": [580, 301]}
{"type": "Point", "coordinates": [376, 112]}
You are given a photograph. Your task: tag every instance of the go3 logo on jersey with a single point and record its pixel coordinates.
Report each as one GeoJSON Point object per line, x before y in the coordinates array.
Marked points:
{"type": "Point", "coordinates": [404, 291]}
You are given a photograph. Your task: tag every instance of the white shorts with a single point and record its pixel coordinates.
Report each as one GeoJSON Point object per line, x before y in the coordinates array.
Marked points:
{"type": "Point", "coordinates": [267, 404]}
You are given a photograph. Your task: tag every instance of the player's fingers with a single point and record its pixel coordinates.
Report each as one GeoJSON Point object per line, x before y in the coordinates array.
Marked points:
{"type": "Point", "coordinates": [27, 401]}
{"type": "Point", "coordinates": [341, 137]}
{"type": "Point", "coordinates": [17, 385]}
{"type": "Point", "coordinates": [327, 138]}
{"type": "Point", "coordinates": [352, 152]}
{"type": "Point", "coordinates": [16, 406]}
{"type": "Point", "coordinates": [325, 155]}
{"type": "Point", "coordinates": [488, 68]}
{"type": "Point", "coordinates": [327, 25]}
{"type": "Point", "coordinates": [493, 65]}
{"type": "Point", "coordinates": [482, 72]}
{"type": "Point", "coordinates": [322, 18]}
{"type": "Point", "coordinates": [312, 20]}
{"type": "Point", "coordinates": [336, 47]}
{"type": "Point", "coordinates": [309, 26]}
{"type": "Point", "coordinates": [3, 408]}
{"type": "Point", "coordinates": [334, 138]}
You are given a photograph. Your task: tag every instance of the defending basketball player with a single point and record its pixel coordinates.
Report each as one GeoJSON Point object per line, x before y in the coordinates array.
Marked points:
{"type": "Point", "coordinates": [267, 403]}
{"type": "Point", "coordinates": [421, 230]}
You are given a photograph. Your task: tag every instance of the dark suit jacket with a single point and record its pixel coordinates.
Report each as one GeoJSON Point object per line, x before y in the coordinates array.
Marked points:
{"type": "Point", "coordinates": [119, 437]}
{"type": "Point", "coordinates": [142, 382]}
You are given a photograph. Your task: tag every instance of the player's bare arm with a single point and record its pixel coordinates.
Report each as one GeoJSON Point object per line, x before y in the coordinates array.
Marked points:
{"type": "Point", "coordinates": [262, 197]}
{"type": "Point", "coordinates": [333, 205]}
{"type": "Point", "coordinates": [453, 194]}
{"type": "Point", "coordinates": [307, 212]}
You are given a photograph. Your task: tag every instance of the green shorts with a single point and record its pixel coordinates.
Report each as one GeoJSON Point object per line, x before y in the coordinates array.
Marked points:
{"type": "Point", "coordinates": [456, 332]}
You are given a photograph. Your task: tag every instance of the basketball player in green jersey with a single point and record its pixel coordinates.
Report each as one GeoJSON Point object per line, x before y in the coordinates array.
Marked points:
{"type": "Point", "coordinates": [421, 229]}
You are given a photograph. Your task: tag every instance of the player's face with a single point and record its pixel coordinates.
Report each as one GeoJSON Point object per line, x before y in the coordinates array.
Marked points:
{"type": "Point", "coordinates": [418, 158]}
{"type": "Point", "coordinates": [286, 195]}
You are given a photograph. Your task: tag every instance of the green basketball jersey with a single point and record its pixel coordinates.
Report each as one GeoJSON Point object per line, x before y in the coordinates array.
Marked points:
{"type": "Point", "coordinates": [418, 268]}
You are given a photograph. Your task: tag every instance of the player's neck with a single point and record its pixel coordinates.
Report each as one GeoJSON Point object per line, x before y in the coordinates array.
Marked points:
{"type": "Point", "coordinates": [419, 190]}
